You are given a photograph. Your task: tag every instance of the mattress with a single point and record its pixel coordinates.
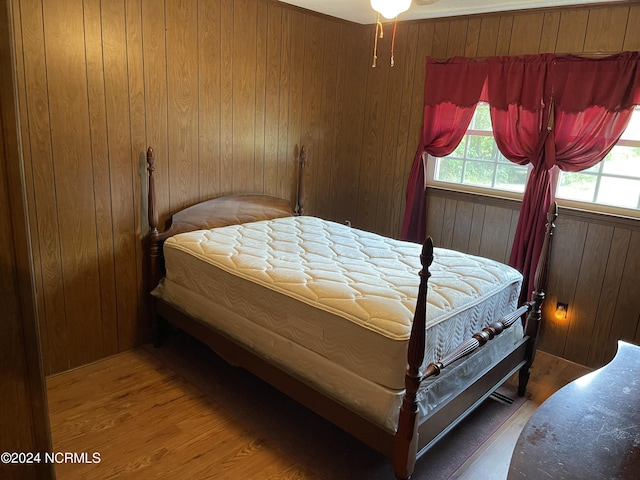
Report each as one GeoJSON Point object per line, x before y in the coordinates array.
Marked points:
{"type": "Point", "coordinates": [345, 296]}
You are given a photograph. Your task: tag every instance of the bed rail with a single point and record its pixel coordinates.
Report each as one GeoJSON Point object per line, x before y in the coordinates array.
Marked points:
{"type": "Point", "coordinates": [405, 451]}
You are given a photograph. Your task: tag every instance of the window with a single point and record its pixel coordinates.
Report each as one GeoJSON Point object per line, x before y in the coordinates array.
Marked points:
{"type": "Point", "coordinates": [615, 181]}
{"type": "Point", "coordinates": [476, 165]}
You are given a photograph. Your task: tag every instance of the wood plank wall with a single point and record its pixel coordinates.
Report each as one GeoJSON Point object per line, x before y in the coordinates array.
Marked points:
{"type": "Point", "coordinates": [24, 414]}
{"type": "Point", "coordinates": [595, 268]}
{"type": "Point", "coordinates": [226, 91]}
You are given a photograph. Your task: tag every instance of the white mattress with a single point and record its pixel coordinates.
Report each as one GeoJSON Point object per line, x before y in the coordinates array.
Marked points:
{"type": "Point", "coordinates": [344, 295]}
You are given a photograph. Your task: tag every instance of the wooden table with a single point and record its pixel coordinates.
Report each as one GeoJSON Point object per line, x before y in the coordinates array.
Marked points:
{"type": "Point", "coordinates": [589, 429]}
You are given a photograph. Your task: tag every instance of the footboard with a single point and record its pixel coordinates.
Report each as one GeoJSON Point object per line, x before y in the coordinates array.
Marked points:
{"type": "Point", "coordinates": [408, 445]}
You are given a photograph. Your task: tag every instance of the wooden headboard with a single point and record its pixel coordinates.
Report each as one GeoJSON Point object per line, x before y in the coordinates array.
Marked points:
{"type": "Point", "coordinates": [216, 212]}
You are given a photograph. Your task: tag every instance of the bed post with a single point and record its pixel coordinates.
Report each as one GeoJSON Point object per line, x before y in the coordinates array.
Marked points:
{"type": "Point", "coordinates": [406, 439]}
{"type": "Point", "coordinates": [532, 323]}
{"type": "Point", "coordinates": [154, 244]}
{"type": "Point", "coordinates": [302, 162]}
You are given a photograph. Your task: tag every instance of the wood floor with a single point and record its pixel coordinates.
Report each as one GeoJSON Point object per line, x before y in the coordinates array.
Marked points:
{"type": "Point", "coordinates": [144, 420]}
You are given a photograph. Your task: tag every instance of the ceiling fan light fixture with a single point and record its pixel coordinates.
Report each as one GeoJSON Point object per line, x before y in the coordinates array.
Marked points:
{"type": "Point", "coordinates": [390, 8]}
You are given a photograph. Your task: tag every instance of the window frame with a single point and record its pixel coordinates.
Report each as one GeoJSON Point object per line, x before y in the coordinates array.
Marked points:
{"type": "Point", "coordinates": [510, 194]}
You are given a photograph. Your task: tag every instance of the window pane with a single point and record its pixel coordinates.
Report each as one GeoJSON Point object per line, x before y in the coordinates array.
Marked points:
{"type": "Point", "coordinates": [620, 192]}
{"type": "Point", "coordinates": [632, 131]}
{"type": "Point", "coordinates": [480, 148]}
{"type": "Point", "coordinates": [449, 170]}
{"type": "Point", "coordinates": [481, 119]}
{"type": "Point", "coordinates": [459, 151]}
{"type": "Point", "coordinates": [479, 173]}
{"type": "Point", "coordinates": [577, 186]}
{"type": "Point", "coordinates": [512, 178]}
{"type": "Point", "coordinates": [623, 161]}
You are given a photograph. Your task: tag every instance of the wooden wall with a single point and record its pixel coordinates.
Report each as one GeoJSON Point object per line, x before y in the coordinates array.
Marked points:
{"type": "Point", "coordinates": [225, 91]}
{"type": "Point", "coordinates": [24, 422]}
{"type": "Point", "coordinates": [595, 268]}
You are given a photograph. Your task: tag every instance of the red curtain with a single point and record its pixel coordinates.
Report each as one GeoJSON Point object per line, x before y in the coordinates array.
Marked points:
{"type": "Point", "coordinates": [452, 91]}
{"type": "Point", "coordinates": [577, 113]}
{"type": "Point", "coordinates": [546, 110]}
{"type": "Point", "coordinates": [520, 111]}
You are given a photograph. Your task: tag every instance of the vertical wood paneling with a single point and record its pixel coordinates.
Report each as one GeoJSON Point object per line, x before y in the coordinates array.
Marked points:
{"type": "Point", "coordinates": [312, 132]}
{"type": "Point", "coordinates": [225, 92]}
{"type": "Point", "coordinates": [24, 418]}
{"type": "Point", "coordinates": [505, 35]}
{"type": "Point", "coordinates": [495, 234]}
{"type": "Point", "coordinates": [101, 169]}
{"type": "Point", "coordinates": [572, 31]}
{"type": "Point", "coordinates": [584, 305]}
{"type": "Point", "coordinates": [606, 29]}
{"type": "Point", "coordinates": [566, 257]}
{"type": "Point", "coordinates": [209, 65]}
{"type": "Point", "coordinates": [335, 158]}
{"type": "Point", "coordinates": [260, 104]}
{"type": "Point", "coordinates": [372, 150]}
{"type": "Point", "coordinates": [121, 173]}
{"type": "Point", "coordinates": [244, 94]}
{"type": "Point", "coordinates": [632, 33]}
{"type": "Point", "coordinates": [182, 101]}
{"type": "Point", "coordinates": [274, 55]}
{"type": "Point", "coordinates": [135, 74]}
{"type": "Point", "coordinates": [296, 104]}
{"type": "Point", "coordinates": [326, 136]}
{"type": "Point", "coordinates": [477, 225]}
{"type": "Point", "coordinates": [441, 39]}
{"type": "Point", "coordinates": [74, 192]}
{"type": "Point", "coordinates": [435, 219]}
{"type": "Point", "coordinates": [345, 183]}
{"type": "Point", "coordinates": [473, 37]}
{"type": "Point", "coordinates": [528, 27]}
{"type": "Point", "coordinates": [155, 92]}
{"type": "Point", "coordinates": [549, 33]}
{"type": "Point", "coordinates": [489, 29]}
{"type": "Point", "coordinates": [226, 95]}
{"type": "Point", "coordinates": [40, 163]}
{"type": "Point", "coordinates": [608, 295]}
{"type": "Point", "coordinates": [286, 66]}
{"type": "Point", "coordinates": [406, 135]}
{"type": "Point", "coordinates": [627, 311]}
{"type": "Point", "coordinates": [462, 226]}
{"type": "Point", "coordinates": [457, 42]}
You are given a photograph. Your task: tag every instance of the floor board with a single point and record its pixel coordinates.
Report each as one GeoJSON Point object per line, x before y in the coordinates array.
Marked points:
{"type": "Point", "coordinates": [146, 421]}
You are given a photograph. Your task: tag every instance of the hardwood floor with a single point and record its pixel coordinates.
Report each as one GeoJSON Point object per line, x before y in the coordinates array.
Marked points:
{"type": "Point", "coordinates": [144, 420]}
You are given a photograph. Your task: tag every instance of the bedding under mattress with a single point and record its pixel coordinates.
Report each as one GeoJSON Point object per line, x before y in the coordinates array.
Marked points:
{"type": "Point", "coordinates": [308, 293]}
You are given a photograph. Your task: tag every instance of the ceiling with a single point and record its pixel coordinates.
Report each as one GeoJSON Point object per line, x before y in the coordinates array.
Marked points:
{"type": "Point", "coordinates": [360, 11]}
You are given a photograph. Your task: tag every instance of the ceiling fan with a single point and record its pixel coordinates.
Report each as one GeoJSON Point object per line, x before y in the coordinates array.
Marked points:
{"type": "Point", "coordinates": [391, 8]}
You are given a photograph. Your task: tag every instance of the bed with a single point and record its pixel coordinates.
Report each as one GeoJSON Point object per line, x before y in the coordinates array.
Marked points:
{"type": "Point", "coordinates": [340, 319]}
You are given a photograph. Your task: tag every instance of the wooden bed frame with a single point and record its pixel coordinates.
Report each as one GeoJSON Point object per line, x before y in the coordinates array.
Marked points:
{"type": "Point", "coordinates": [413, 438]}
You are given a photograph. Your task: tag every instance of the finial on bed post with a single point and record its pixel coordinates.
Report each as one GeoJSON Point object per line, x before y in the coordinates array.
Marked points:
{"type": "Point", "coordinates": [153, 220]}
{"type": "Point", "coordinates": [406, 439]}
{"type": "Point", "coordinates": [532, 324]}
{"type": "Point", "coordinates": [302, 161]}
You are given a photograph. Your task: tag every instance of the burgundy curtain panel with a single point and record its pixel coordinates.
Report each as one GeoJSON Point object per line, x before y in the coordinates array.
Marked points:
{"type": "Point", "coordinates": [451, 92]}
{"type": "Point", "coordinates": [546, 110]}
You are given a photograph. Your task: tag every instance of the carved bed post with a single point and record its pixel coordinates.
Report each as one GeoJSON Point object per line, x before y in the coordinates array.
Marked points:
{"type": "Point", "coordinates": [406, 439]}
{"type": "Point", "coordinates": [153, 219]}
{"type": "Point", "coordinates": [532, 324]}
{"type": "Point", "coordinates": [302, 161]}
{"type": "Point", "coordinates": [154, 245]}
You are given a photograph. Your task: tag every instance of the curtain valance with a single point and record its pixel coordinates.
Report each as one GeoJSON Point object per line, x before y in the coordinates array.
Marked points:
{"type": "Point", "coordinates": [546, 110]}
